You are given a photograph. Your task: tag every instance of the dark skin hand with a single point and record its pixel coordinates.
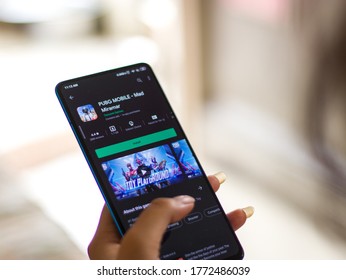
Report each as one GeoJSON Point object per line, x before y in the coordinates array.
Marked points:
{"type": "Point", "coordinates": [143, 239]}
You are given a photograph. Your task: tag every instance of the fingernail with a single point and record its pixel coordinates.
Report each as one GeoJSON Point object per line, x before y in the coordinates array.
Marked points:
{"type": "Point", "coordinates": [184, 199]}
{"type": "Point", "coordinates": [249, 211]}
{"type": "Point", "coordinates": [221, 177]}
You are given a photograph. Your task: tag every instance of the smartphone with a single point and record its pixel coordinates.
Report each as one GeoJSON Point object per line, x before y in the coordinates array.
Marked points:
{"type": "Point", "coordinates": [137, 151]}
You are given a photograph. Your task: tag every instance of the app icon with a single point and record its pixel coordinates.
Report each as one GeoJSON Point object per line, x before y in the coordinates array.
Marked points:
{"type": "Point", "coordinates": [87, 113]}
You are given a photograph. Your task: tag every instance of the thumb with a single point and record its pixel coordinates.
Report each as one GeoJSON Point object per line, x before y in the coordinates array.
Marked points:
{"type": "Point", "coordinates": [143, 239]}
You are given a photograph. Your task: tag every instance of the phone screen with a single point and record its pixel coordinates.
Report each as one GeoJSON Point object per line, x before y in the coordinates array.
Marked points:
{"type": "Point", "coordinates": [137, 151]}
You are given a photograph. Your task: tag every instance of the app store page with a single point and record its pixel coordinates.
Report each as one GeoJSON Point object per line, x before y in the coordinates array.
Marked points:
{"type": "Point", "coordinates": [138, 152]}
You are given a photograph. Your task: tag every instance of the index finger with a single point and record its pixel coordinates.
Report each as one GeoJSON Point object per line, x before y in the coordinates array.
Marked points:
{"type": "Point", "coordinates": [216, 180]}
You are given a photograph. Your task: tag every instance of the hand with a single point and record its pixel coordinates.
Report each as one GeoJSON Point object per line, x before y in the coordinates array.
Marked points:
{"type": "Point", "coordinates": [143, 239]}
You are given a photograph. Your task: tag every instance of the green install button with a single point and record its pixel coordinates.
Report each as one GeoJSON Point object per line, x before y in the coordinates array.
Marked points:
{"type": "Point", "coordinates": [135, 143]}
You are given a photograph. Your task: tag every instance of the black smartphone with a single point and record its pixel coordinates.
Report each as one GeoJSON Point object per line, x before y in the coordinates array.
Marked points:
{"type": "Point", "coordinates": [137, 151]}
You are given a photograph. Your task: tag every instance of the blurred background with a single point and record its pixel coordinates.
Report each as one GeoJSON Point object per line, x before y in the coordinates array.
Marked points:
{"type": "Point", "coordinates": [258, 85]}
